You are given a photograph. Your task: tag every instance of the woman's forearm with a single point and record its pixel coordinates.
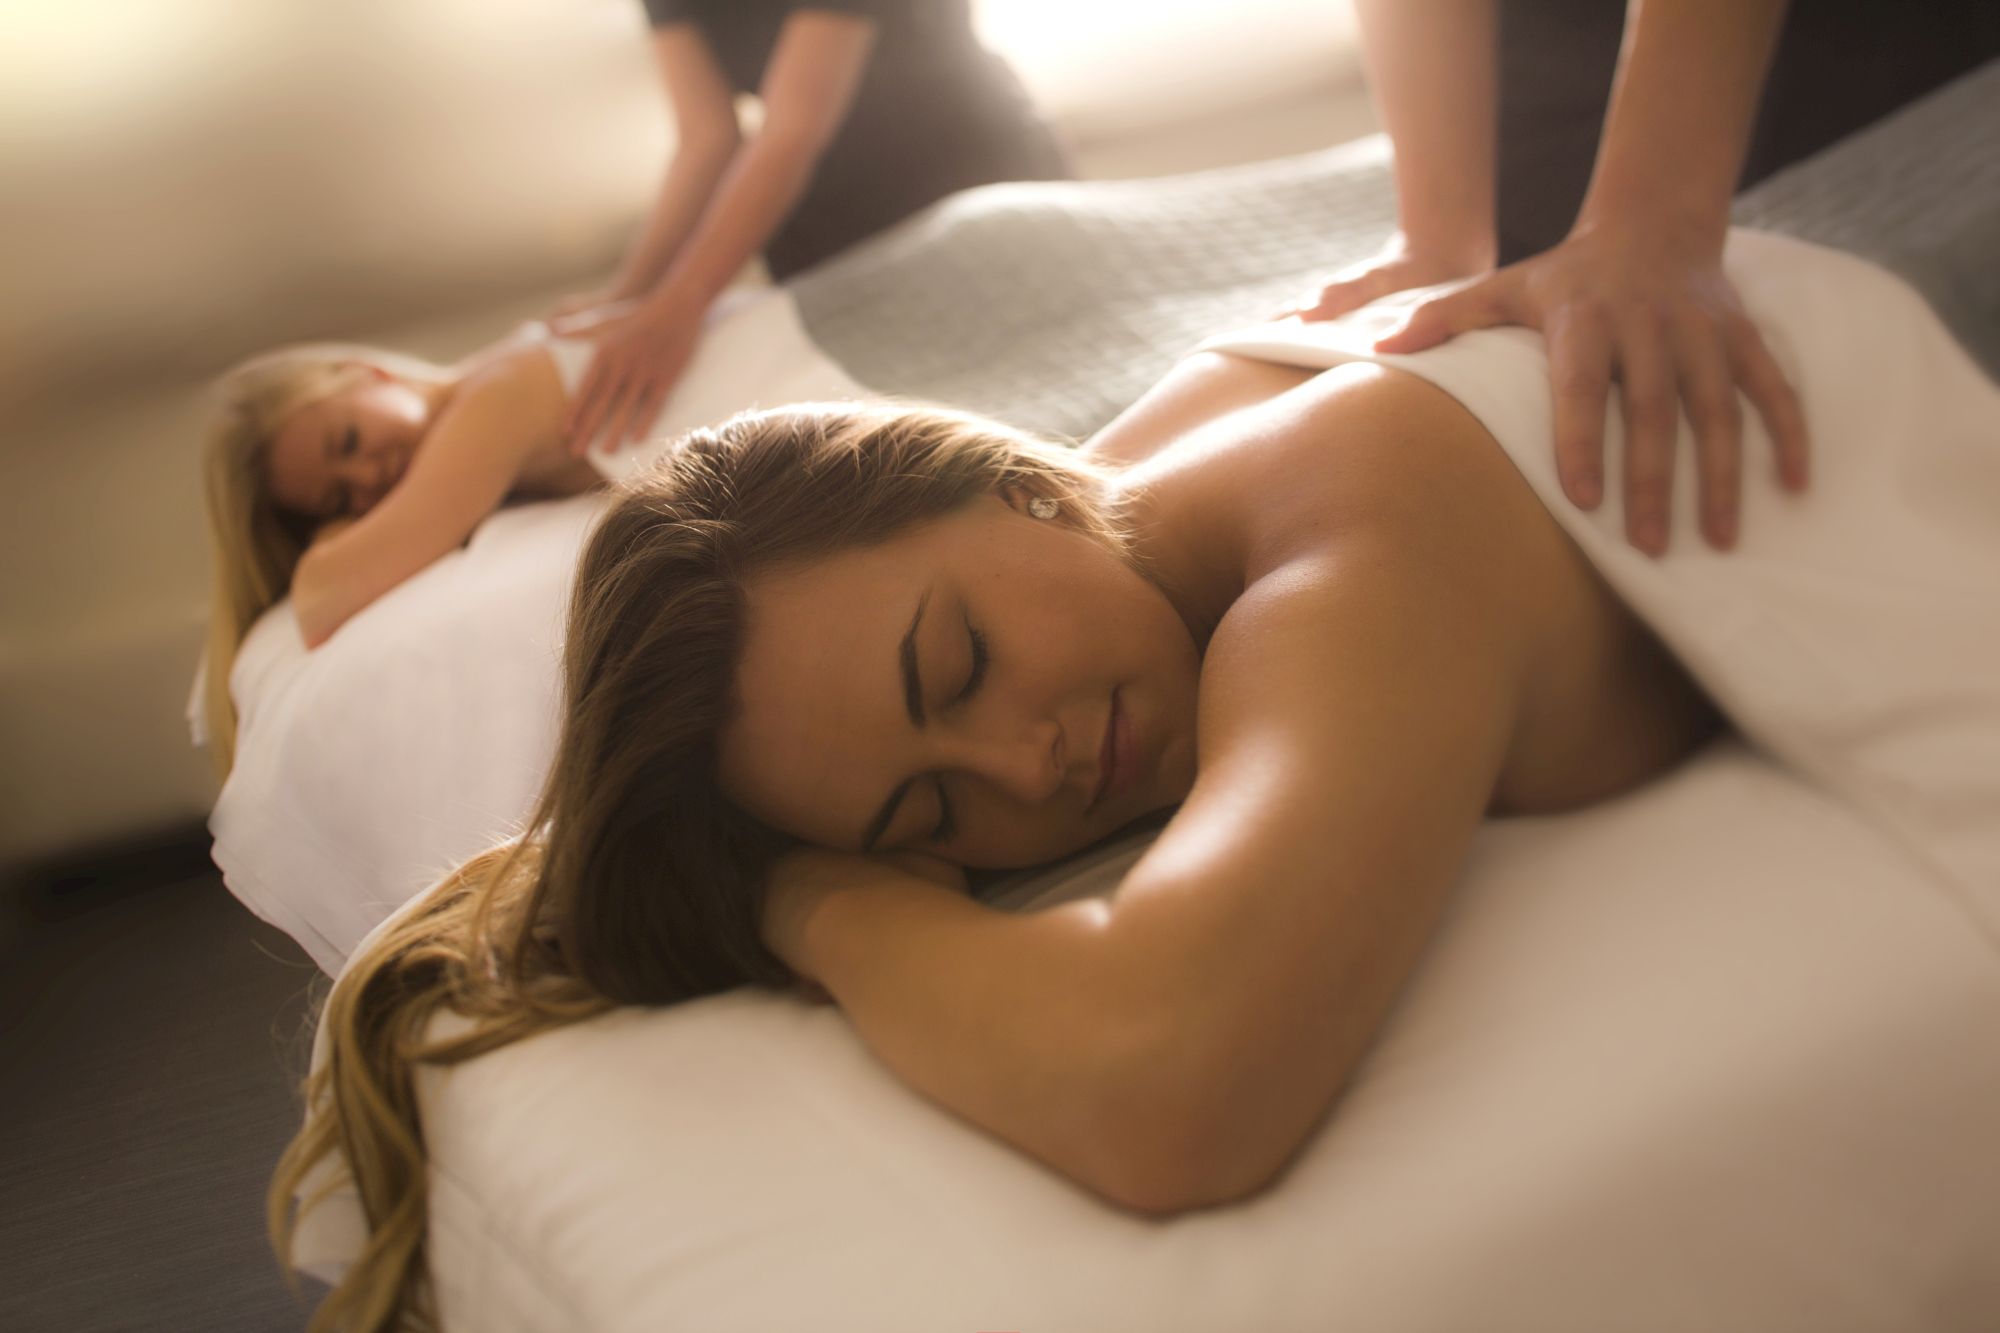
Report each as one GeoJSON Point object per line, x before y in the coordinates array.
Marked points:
{"type": "Point", "coordinates": [690, 181]}
{"type": "Point", "coordinates": [1686, 94]}
{"type": "Point", "coordinates": [1022, 1023]}
{"type": "Point", "coordinates": [1432, 71]}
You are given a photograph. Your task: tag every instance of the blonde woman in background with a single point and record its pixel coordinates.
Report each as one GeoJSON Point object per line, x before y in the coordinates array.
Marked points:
{"type": "Point", "coordinates": [335, 472]}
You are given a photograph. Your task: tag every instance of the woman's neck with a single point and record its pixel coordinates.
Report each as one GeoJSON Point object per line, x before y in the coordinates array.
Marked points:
{"type": "Point", "coordinates": [1186, 537]}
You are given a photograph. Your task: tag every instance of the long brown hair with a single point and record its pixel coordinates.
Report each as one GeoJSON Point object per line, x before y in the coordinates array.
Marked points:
{"type": "Point", "coordinates": [634, 882]}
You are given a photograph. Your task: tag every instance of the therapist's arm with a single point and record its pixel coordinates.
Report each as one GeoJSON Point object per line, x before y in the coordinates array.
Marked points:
{"type": "Point", "coordinates": [1431, 71]}
{"type": "Point", "coordinates": [1636, 291]}
{"type": "Point", "coordinates": [808, 87]}
{"type": "Point", "coordinates": [706, 140]}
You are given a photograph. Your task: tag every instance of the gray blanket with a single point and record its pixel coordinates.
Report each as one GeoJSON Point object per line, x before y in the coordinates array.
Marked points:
{"type": "Point", "coordinates": [1054, 305]}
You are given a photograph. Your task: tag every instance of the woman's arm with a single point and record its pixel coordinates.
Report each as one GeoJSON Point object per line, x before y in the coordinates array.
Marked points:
{"type": "Point", "coordinates": [808, 87]}
{"type": "Point", "coordinates": [470, 458]}
{"type": "Point", "coordinates": [1172, 1048]}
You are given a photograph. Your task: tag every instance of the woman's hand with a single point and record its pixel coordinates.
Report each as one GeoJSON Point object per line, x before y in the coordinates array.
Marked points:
{"type": "Point", "coordinates": [1397, 267]}
{"type": "Point", "coordinates": [803, 880]}
{"type": "Point", "coordinates": [641, 351]}
{"type": "Point", "coordinates": [1652, 310]}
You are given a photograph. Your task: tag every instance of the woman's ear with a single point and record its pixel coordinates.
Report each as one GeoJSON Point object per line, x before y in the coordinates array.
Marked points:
{"type": "Point", "coordinates": [1026, 500]}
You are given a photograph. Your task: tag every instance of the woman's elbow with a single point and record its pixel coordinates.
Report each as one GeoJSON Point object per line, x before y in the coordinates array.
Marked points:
{"type": "Point", "coordinates": [315, 626]}
{"type": "Point", "coordinates": [1173, 1164]}
{"type": "Point", "coordinates": [1178, 1135]}
{"type": "Point", "coordinates": [314, 603]}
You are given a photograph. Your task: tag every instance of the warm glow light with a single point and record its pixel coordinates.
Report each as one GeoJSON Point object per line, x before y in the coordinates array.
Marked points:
{"type": "Point", "coordinates": [87, 62]}
{"type": "Point", "coordinates": [1090, 59]}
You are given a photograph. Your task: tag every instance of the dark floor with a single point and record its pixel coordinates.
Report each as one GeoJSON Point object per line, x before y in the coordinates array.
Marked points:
{"type": "Point", "coordinates": [151, 1032]}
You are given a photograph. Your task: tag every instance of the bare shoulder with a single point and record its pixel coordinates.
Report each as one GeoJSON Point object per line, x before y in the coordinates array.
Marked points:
{"type": "Point", "coordinates": [1366, 449]}
{"type": "Point", "coordinates": [517, 376]}
{"type": "Point", "coordinates": [511, 404]}
{"type": "Point", "coordinates": [1360, 696]}
{"type": "Point", "coordinates": [1390, 481]}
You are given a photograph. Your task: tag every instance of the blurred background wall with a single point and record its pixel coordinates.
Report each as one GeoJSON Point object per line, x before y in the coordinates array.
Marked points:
{"type": "Point", "coordinates": [184, 182]}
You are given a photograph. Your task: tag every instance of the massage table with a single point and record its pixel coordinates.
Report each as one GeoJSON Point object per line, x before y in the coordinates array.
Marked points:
{"type": "Point", "coordinates": [1723, 1053]}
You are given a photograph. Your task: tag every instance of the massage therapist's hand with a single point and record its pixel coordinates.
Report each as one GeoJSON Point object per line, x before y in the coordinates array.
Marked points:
{"type": "Point", "coordinates": [1397, 267]}
{"type": "Point", "coordinates": [641, 351]}
{"type": "Point", "coordinates": [803, 880]}
{"type": "Point", "coordinates": [1653, 311]}
{"type": "Point", "coordinates": [581, 303]}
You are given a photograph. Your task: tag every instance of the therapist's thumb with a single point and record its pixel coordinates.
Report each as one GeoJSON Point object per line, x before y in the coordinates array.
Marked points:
{"type": "Point", "coordinates": [1442, 318]}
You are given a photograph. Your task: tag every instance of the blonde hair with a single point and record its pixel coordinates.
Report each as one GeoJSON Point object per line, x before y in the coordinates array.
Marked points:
{"type": "Point", "coordinates": [254, 545]}
{"type": "Point", "coordinates": [635, 881]}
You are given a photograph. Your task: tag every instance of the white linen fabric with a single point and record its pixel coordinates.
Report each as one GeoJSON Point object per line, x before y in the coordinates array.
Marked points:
{"type": "Point", "coordinates": [1705, 1057]}
{"type": "Point", "coordinates": [1855, 631]}
{"type": "Point", "coordinates": [419, 733]}
{"type": "Point", "coordinates": [1718, 1054]}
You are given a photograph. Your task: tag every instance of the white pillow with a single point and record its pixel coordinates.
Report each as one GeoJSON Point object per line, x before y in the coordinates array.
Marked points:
{"type": "Point", "coordinates": [419, 733]}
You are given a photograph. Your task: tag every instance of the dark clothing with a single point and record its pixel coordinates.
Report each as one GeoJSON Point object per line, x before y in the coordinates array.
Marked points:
{"type": "Point", "coordinates": [1839, 65]}
{"type": "Point", "coordinates": [935, 112]}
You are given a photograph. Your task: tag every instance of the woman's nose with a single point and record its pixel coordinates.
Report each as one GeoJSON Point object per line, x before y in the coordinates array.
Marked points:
{"type": "Point", "coordinates": [366, 485]}
{"type": "Point", "coordinates": [1026, 764]}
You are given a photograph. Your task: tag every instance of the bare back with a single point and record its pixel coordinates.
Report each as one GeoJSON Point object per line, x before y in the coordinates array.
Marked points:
{"type": "Point", "coordinates": [1605, 706]}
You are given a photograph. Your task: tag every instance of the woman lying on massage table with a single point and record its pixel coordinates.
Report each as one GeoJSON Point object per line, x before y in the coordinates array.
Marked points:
{"type": "Point", "coordinates": [335, 472]}
{"type": "Point", "coordinates": [825, 659]}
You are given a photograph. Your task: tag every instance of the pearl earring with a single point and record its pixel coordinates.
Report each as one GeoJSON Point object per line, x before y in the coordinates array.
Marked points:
{"type": "Point", "coordinates": [1042, 507]}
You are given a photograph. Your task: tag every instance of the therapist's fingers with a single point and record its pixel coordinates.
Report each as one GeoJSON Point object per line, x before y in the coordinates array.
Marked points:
{"type": "Point", "coordinates": [1580, 354]}
{"type": "Point", "coordinates": [1708, 393]}
{"type": "Point", "coordinates": [647, 396]}
{"type": "Point", "coordinates": [1652, 419]}
{"type": "Point", "coordinates": [1343, 294]}
{"type": "Point", "coordinates": [585, 406]}
{"type": "Point", "coordinates": [619, 416]}
{"type": "Point", "coordinates": [1775, 400]}
{"type": "Point", "coordinates": [1478, 305]}
{"type": "Point", "coordinates": [603, 388]}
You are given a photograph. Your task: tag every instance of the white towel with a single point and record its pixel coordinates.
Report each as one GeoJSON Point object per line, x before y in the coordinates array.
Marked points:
{"type": "Point", "coordinates": [1855, 631]}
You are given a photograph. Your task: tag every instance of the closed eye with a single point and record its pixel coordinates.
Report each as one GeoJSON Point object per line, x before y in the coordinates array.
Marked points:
{"type": "Point", "coordinates": [947, 825]}
{"type": "Point", "coordinates": [978, 672]}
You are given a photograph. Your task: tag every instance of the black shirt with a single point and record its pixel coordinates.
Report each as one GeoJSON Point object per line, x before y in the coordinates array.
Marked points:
{"type": "Point", "coordinates": [742, 33]}
{"type": "Point", "coordinates": [1838, 66]}
{"type": "Point", "coordinates": [935, 112]}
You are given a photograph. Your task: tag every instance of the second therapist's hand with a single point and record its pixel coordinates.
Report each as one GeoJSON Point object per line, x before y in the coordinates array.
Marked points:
{"type": "Point", "coordinates": [641, 352]}
{"type": "Point", "coordinates": [1397, 267]}
{"type": "Point", "coordinates": [1654, 312]}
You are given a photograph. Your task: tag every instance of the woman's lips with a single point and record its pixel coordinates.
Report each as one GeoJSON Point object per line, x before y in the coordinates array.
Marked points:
{"type": "Point", "coordinates": [1116, 757]}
